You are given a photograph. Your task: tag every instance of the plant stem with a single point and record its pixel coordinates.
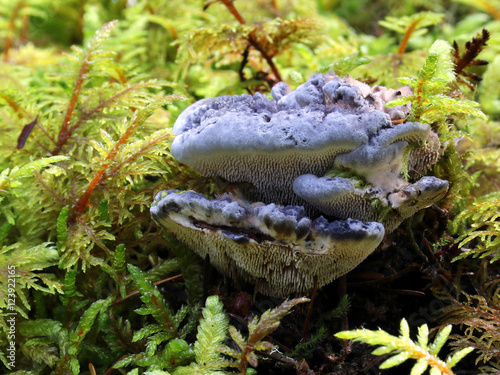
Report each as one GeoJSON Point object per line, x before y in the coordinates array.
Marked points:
{"type": "Point", "coordinates": [252, 39]}
{"type": "Point", "coordinates": [407, 36]}
{"type": "Point", "coordinates": [136, 292]}
{"type": "Point", "coordinates": [9, 40]}
{"type": "Point", "coordinates": [229, 5]}
{"type": "Point", "coordinates": [266, 57]}
{"type": "Point", "coordinates": [102, 174]}
{"type": "Point", "coordinates": [80, 205]}
{"type": "Point", "coordinates": [64, 134]}
{"type": "Point", "coordinates": [490, 9]}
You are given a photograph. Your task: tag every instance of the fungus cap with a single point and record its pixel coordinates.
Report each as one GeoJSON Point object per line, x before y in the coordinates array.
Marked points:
{"type": "Point", "coordinates": [270, 142]}
{"type": "Point", "coordinates": [277, 247]}
{"type": "Point", "coordinates": [338, 197]}
{"type": "Point", "coordinates": [274, 149]}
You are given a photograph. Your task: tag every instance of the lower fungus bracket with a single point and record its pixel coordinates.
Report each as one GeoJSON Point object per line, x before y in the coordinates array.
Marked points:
{"type": "Point", "coordinates": [284, 259]}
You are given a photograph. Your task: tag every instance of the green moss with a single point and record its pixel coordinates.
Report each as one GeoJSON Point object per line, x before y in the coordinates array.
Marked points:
{"type": "Point", "coordinates": [84, 147]}
{"type": "Point", "coordinates": [358, 181]}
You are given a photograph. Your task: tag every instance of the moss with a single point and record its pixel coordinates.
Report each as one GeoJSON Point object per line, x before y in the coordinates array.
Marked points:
{"type": "Point", "coordinates": [84, 147]}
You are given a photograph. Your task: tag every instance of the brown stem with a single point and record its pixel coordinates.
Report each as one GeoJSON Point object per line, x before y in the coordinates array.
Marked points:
{"type": "Point", "coordinates": [229, 5]}
{"type": "Point", "coordinates": [80, 205]}
{"type": "Point", "coordinates": [44, 131]}
{"type": "Point", "coordinates": [305, 328]}
{"type": "Point", "coordinates": [136, 292]}
{"type": "Point", "coordinates": [21, 112]}
{"type": "Point", "coordinates": [88, 114]}
{"type": "Point", "coordinates": [49, 190]}
{"type": "Point", "coordinates": [9, 40]}
{"type": "Point", "coordinates": [274, 6]}
{"type": "Point", "coordinates": [23, 35]}
{"type": "Point", "coordinates": [266, 57]}
{"type": "Point", "coordinates": [46, 149]}
{"type": "Point", "coordinates": [92, 234]}
{"type": "Point", "coordinates": [244, 62]}
{"type": "Point", "coordinates": [490, 9]}
{"type": "Point", "coordinates": [64, 134]}
{"type": "Point", "coordinates": [407, 36]}
{"type": "Point", "coordinates": [252, 39]}
{"type": "Point", "coordinates": [98, 108]}
{"type": "Point", "coordinates": [341, 292]}
{"type": "Point", "coordinates": [137, 153]}
{"type": "Point", "coordinates": [101, 174]}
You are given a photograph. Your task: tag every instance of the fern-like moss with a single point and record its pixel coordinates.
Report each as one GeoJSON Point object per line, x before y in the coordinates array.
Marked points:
{"type": "Point", "coordinates": [429, 101]}
{"type": "Point", "coordinates": [477, 316]}
{"type": "Point", "coordinates": [480, 228]}
{"type": "Point", "coordinates": [402, 348]}
{"type": "Point", "coordinates": [84, 147]}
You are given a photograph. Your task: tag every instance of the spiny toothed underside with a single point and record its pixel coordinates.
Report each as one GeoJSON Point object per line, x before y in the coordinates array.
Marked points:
{"type": "Point", "coordinates": [328, 149]}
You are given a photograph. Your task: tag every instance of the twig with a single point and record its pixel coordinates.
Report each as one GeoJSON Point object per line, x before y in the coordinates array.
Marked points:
{"type": "Point", "coordinates": [406, 37]}
{"type": "Point", "coordinates": [9, 40]}
{"type": "Point", "coordinates": [305, 328]}
{"type": "Point", "coordinates": [252, 39]}
{"type": "Point", "coordinates": [386, 279]}
{"type": "Point", "coordinates": [81, 203]}
{"type": "Point", "coordinates": [63, 133]}
{"type": "Point", "coordinates": [244, 62]}
{"type": "Point", "coordinates": [136, 292]}
{"type": "Point", "coordinates": [53, 193]}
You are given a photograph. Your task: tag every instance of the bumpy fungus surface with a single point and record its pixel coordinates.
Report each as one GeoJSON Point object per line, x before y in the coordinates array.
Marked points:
{"type": "Point", "coordinates": [283, 147]}
{"type": "Point", "coordinates": [279, 247]}
{"type": "Point", "coordinates": [339, 197]}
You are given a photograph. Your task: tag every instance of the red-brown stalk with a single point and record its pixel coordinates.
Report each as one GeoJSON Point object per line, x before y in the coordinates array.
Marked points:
{"type": "Point", "coordinates": [252, 39]}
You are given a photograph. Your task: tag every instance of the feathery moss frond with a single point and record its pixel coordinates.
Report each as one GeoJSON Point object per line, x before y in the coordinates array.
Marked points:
{"type": "Point", "coordinates": [478, 317]}
{"type": "Point", "coordinates": [212, 332]}
{"type": "Point", "coordinates": [19, 264]}
{"type": "Point", "coordinates": [155, 305]}
{"type": "Point", "coordinates": [429, 102]}
{"type": "Point", "coordinates": [481, 220]}
{"type": "Point", "coordinates": [258, 329]}
{"type": "Point", "coordinates": [403, 348]}
{"type": "Point", "coordinates": [411, 26]}
{"type": "Point", "coordinates": [11, 178]}
{"type": "Point", "coordinates": [345, 65]}
{"type": "Point", "coordinates": [244, 42]}
{"type": "Point", "coordinates": [71, 339]}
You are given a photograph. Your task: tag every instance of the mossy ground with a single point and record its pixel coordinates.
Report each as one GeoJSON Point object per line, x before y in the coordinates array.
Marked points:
{"type": "Point", "coordinates": [84, 146]}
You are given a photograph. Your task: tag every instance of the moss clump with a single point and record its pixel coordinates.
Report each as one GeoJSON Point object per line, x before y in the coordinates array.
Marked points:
{"type": "Point", "coordinates": [84, 147]}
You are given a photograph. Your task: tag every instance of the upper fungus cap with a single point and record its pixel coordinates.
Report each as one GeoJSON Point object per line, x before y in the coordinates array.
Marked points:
{"type": "Point", "coordinates": [270, 142]}
{"type": "Point", "coordinates": [278, 247]}
{"type": "Point", "coordinates": [379, 96]}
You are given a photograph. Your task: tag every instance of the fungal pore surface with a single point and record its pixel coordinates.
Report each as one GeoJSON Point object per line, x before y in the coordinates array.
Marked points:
{"type": "Point", "coordinates": [320, 171]}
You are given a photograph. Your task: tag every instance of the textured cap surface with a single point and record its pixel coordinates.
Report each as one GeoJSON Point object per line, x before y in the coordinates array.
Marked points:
{"type": "Point", "coordinates": [338, 197]}
{"type": "Point", "coordinates": [279, 248]}
{"type": "Point", "coordinates": [277, 150]}
{"type": "Point", "coordinates": [270, 142]}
